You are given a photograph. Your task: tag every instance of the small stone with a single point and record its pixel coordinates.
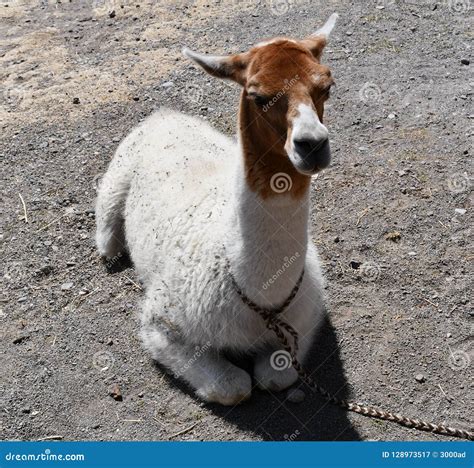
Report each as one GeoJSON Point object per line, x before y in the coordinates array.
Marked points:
{"type": "Point", "coordinates": [420, 378]}
{"type": "Point", "coordinates": [26, 410]}
{"type": "Point", "coordinates": [20, 339]}
{"type": "Point", "coordinates": [337, 239]}
{"type": "Point", "coordinates": [448, 335]}
{"type": "Point", "coordinates": [66, 286]}
{"type": "Point", "coordinates": [295, 395]}
{"type": "Point", "coordinates": [115, 392]}
{"type": "Point", "coordinates": [412, 254]}
{"type": "Point", "coordinates": [110, 343]}
{"type": "Point", "coordinates": [22, 299]}
{"type": "Point", "coordinates": [355, 264]}
{"type": "Point", "coordinates": [393, 236]}
{"type": "Point", "coordinates": [465, 61]}
{"type": "Point", "coordinates": [45, 270]}
{"type": "Point", "coordinates": [460, 211]}
{"type": "Point", "coordinates": [141, 395]}
{"type": "Point", "coordinates": [391, 116]}
{"type": "Point", "coordinates": [112, 14]}
{"type": "Point", "coordinates": [167, 84]}
{"type": "Point", "coordinates": [348, 33]}
{"type": "Point", "coordinates": [75, 100]}
{"type": "Point", "coordinates": [136, 98]}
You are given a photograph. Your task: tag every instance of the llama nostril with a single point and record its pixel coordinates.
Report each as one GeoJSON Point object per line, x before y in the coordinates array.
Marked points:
{"type": "Point", "coordinates": [308, 147]}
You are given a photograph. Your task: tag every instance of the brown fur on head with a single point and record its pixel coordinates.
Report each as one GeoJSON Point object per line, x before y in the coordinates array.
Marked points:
{"type": "Point", "coordinates": [282, 106]}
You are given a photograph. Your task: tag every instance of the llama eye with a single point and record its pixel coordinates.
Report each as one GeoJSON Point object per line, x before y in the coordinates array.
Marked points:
{"type": "Point", "coordinates": [259, 99]}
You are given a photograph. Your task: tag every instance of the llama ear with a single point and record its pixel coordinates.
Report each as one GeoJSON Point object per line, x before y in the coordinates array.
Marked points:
{"type": "Point", "coordinates": [231, 67]}
{"type": "Point", "coordinates": [318, 40]}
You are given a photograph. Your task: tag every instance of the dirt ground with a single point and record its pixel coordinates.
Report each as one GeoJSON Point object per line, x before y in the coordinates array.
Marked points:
{"type": "Point", "coordinates": [392, 216]}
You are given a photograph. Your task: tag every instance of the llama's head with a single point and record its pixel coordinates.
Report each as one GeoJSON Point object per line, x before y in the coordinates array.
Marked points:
{"type": "Point", "coordinates": [284, 90]}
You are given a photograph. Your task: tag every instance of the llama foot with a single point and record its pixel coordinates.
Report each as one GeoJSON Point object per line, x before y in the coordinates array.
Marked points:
{"type": "Point", "coordinates": [230, 388]}
{"type": "Point", "coordinates": [272, 372]}
{"type": "Point", "coordinates": [214, 378]}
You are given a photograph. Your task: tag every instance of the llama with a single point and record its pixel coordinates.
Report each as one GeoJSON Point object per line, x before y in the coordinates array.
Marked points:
{"type": "Point", "coordinates": [200, 214]}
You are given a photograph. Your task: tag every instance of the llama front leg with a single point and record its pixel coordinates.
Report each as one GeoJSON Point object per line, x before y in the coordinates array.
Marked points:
{"type": "Point", "coordinates": [213, 377]}
{"type": "Point", "coordinates": [273, 370]}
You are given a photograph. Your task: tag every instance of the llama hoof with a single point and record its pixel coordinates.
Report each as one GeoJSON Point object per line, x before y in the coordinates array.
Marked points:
{"type": "Point", "coordinates": [231, 389]}
{"type": "Point", "coordinates": [271, 377]}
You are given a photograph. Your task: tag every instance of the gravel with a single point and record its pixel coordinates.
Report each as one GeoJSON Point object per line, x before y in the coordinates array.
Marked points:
{"type": "Point", "coordinates": [386, 323]}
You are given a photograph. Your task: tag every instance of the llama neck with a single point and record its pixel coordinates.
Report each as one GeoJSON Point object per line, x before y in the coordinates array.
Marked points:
{"type": "Point", "coordinates": [270, 220]}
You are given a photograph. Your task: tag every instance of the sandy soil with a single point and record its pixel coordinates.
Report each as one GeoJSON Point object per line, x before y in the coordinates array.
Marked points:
{"type": "Point", "coordinates": [392, 216]}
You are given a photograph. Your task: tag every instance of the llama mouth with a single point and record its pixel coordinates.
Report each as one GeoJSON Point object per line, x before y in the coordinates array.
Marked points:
{"type": "Point", "coordinates": [311, 162]}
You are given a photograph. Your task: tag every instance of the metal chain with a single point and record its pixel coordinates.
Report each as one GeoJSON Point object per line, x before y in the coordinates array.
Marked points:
{"type": "Point", "coordinates": [277, 325]}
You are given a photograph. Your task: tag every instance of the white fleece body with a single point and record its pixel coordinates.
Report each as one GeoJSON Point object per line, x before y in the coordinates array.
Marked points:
{"type": "Point", "coordinates": [176, 195]}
